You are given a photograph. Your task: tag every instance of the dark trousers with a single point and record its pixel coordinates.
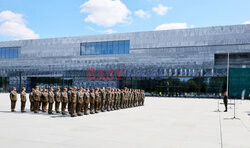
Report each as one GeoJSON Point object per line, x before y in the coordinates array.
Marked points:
{"type": "Point", "coordinates": [23, 106]}
{"type": "Point", "coordinates": [32, 106]}
{"type": "Point", "coordinates": [92, 106]}
{"type": "Point", "coordinates": [69, 108]}
{"type": "Point", "coordinates": [40, 105]}
{"type": "Point", "coordinates": [13, 105]}
{"type": "Point", "coordinates": [64, 108]}
{"type": "Point", "coordinates": [72, 109]}
{"type": "Point", "coordinates": [96, 106]}
{"type": "Point", "coordinates": [50, 108]}
{"type": "Point", "coordinates": [79, 109]}
{"type": "Point", "coordinates": [36, 106]}
{"type": "Point", "coordinates": [44, 106]}
{"type": "Point", "coordinates": [225, 103]}
{"type": "Point", "coordinates": [102, 106]}
{"type": "Point", "coordinates": [86, 107]}
{"type": "Point", "coordinates": [57, 105]}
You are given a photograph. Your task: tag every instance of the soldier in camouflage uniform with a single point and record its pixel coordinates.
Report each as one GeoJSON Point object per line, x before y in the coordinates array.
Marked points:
{"type": "Point", "coordinates": [40, 99]}
{"type": "Point", "coordinates": [31, 97]}
{"type": "Point", "coordinates": [97, 100]}
{"type": "Point", "coordinates": [73, 101]}
{"type": "Point", "coordinates": [118, 99]}
{"type": "Point", "coordinates": [92, 101]}
{"type": "Point", "coordinates": [115, 99]}
{"type": "Point", "coordinates": [45, 100]}
{"type": "Point", "coordinates": [64, 99]}
{"type": "Point", "coordinates": [37, 99]}
{"type": "Point", "coordinates": [126, 98]}
{"type": "Point", "coordinates": [103, 99]}
{"type": "Point", "coordinates": [79, 102]}
{"type": "Point", "coordinates": [23, 99]}
{"type": "Point", "coordinates": [112, 99]}
{"type": "Point", "coordinates": [57, 100]}
{"type": "Point", "coordinates": [51, 100]}
{"type": "Point", "coordinates": [13, 99]}
{"type": "Point", "coordinates": [69, 98]}
{"type": "Point", "coordinates": [122, 99]}
{"type": "Point", "coordinates": [86, 98]}
{"type": "Point", "coordinates": [108, 100]}
{"type": "Point", "coordinates": [135, 98]}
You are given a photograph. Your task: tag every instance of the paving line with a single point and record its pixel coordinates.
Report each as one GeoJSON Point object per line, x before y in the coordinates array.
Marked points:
{"type": "Point", "coordinates": [221, 139]}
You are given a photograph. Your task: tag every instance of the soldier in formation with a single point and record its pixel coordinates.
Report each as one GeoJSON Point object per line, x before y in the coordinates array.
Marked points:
{"type": "Point", "coordinates": [79, 101]}
{"type": "Point", "coordinates": [51, 96]}
{"type": "Point", "coordinates": [23, 99]}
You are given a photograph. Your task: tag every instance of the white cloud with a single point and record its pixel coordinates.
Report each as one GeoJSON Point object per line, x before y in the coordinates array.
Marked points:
{"type": "Point", "coordinates": [171, 26]}
{"type": "Point", "coordinates": [161, 9]}
{"type": "Point", "coordinates": [106, 13]}
{"type": "Point", "coordinates": [13, 25]}
{"type": "Point", "coordinates": [109, 31]}
{"type": "Point", "coordinates": [246, 22]}
{"type": "Point", "coordinates": [142, 14]}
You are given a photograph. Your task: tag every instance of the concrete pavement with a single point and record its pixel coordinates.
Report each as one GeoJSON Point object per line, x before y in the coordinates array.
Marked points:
{"type": "Point", "coordinates": [161, 123]}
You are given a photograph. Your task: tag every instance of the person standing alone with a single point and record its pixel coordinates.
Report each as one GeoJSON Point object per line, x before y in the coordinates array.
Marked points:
{"type": "Point", "coordinates": [225, 100]}
{"type": "Point", "coordinates": [13, 99]}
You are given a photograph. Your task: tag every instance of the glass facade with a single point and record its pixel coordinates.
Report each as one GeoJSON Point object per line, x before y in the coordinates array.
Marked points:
{"type": "Point", "coordinates": [178, 86]}
{"type": "Point", "coordinates": [103, 48]}
{"type": "Point", "coordinates": [239, 79]}
{"type": "Point", "coordinates": [4, 84]}
{"type": "Point", "coordinates": [10, 52]}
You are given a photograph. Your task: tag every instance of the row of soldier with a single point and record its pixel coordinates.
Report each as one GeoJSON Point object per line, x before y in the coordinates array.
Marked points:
{"type": "Point", "coordinates": [79, 100]}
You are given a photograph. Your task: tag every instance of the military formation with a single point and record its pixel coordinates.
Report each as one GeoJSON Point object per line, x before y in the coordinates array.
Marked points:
{"type": "Point", "coordinates": [78, 101]}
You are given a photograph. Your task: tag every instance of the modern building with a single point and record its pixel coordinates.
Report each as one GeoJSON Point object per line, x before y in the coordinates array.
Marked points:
{"type": "Point", "coordinates": [171, 61]}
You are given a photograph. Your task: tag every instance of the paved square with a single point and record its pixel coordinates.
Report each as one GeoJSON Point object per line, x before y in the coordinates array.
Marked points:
{"type": "Point", "coordinates": [161, 123]}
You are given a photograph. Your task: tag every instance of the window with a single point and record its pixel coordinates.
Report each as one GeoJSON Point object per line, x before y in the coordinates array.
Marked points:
{"type": "Point", "coordinates": [103, 48]}
{"type": "Point", "coordinates": [9, 52]}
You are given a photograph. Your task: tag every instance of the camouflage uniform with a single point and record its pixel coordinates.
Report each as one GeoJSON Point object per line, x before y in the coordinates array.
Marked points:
{"type": "Point", "coordinates": [73, 103]}
{"type": "Point", "coordinates": [51, 101]}
{"type": "Point", "coordinates": [64, 102]}
{"type": "Point", "coordinates": [112, 100]}
{"type": "Point", "coordinates": [37, 99]}
{"type": "Point", "coordinates": [109, 100]}
{"type": "Point", "coordinates": [23, 101]}
{"type": "Point", "coordinates": [13, 99]}
{"type": "Point", "coordinates": [92, 102]}
{"type": "Point", "coordinates": [79, 103]}
{"type": "Point", "coordinates": [31, 98]}
{"type": "Point", "coordinates": [122, 99]}
{"type": "Point", "coordinates": [86, 102]}
{"type": "Point", "coordinates": [97, 101]}
{"type": "Point", "coordinates": [103, 100]}
{"type": "Point", "coordinates": [45, 101]}
{"type": "Point", "coordinates": [57, 101]}
{"type": "Point", "coordinates": [69, 99]}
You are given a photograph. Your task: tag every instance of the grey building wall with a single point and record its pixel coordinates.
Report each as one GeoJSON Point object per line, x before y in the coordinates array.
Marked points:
{"type": "Point", "coordinates": [180, 53]}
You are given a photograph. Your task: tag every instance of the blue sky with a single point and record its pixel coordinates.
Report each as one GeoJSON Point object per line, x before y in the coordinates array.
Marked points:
{"type": "Point", "coordinates": [32, 19]}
